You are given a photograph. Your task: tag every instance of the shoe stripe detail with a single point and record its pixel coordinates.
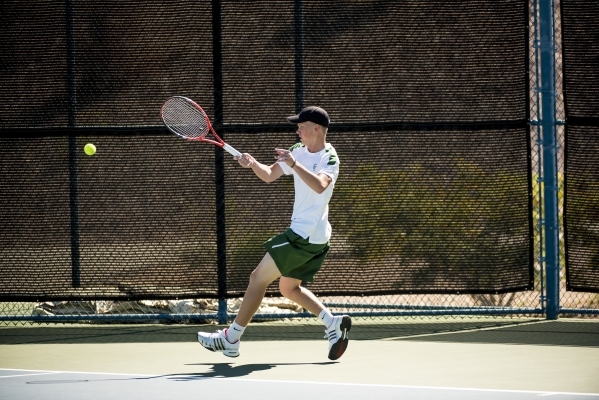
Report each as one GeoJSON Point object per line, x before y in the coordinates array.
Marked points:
{"type": "Point", "coordinates": [218, 342]}
{"type": "Point", "coordinates": [338, 336]}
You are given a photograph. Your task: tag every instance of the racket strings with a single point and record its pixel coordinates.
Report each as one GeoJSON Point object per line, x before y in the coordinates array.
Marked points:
{"type": "Point", "coordinates": [184, 119]}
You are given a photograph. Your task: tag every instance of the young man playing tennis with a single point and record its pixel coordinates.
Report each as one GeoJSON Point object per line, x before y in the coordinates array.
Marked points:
{"type": "Point", "coordinates": [297, 254]}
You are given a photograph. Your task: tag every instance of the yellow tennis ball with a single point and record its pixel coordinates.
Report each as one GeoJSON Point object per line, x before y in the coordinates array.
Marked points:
{"type": "Point", "coordinates": [89, 149]}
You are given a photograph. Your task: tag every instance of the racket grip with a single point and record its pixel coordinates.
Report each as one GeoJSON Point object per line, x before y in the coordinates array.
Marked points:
{"type": "Point", "coordinates": [231, 150]}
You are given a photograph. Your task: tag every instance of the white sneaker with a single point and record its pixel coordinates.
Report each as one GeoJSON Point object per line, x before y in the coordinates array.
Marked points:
{"type": "Point", "coordinates": [338, 337]}
{"type": "Point", "coordinates": [218, 342]}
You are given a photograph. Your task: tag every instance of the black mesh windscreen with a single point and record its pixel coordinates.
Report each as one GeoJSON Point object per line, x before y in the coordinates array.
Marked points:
{"type": "Point", "coordinates": [371, 61]}
{"type": "Point", "coordinates": [581, 95]}
{"type": "Point", "coordinates": [580, 48]}
{"type": "Point", "coordinates": [146, 219]}
{"type": "Point", "coordinates": [444, 212]}
{"type": "Point", "coordinates": [429, 109]}
{"type": "Point", "coordinates": [122, 58]}
{"type": "Point", "coordinates": [581, 215]}
{"type": "Point", "coordinates": [376, 61]}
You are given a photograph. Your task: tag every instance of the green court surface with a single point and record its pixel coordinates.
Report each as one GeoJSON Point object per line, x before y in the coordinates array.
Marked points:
{"type": "Point", "coordinates": [554, 357]}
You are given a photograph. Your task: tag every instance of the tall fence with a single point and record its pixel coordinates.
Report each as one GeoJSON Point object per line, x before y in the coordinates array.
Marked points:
{"type": "Point", "coordinates": [451, 170]}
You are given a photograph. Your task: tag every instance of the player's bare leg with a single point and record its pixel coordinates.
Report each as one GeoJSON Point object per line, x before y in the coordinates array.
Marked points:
{"type": "Point", "coordinates": [227, 341]}
{"type": "Point", "coordinates": [292, 289]}
{"type": "Point", "coordinates": [337, 326]}
{"type": "Point", "coordinates": [265, 273]}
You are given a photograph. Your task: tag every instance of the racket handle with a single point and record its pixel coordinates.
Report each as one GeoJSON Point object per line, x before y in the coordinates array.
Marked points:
{"type": "Point", "coordinates": [231, 150]}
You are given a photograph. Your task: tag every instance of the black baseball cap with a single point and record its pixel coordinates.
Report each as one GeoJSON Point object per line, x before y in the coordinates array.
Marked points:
{"type": "Point", "coordinates": [313, 114]}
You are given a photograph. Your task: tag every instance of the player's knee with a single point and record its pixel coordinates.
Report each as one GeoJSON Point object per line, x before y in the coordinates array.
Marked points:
{"type": "Point", "coordinates": [287, 288]}
{"type": "Point", "coordinates": [254, 277]}
{"type": "Point", "coordinates": [257, 279]}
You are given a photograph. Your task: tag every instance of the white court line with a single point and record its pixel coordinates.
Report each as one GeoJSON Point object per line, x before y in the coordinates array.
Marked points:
{"type": "Point", "coordinates": [470, 330]}
{"type": "Point", "coordinates": [46, 372]}
{"type": "Point", "coordinates": [538, 392]}
{"type": "Point", "coordinates": [41, 373]}
{"type": "Point", "coordinates": [26, 370]}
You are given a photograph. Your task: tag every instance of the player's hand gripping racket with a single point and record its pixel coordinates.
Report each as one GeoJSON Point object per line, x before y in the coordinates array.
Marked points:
{"type": "Point", "coordinates": [185, 118]}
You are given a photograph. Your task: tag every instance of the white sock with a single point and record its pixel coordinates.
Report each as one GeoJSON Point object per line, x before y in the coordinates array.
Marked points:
{"type": "Point", "coordinates": [326, 317]}
{"type": "Point", "coordinates": [234, 332]}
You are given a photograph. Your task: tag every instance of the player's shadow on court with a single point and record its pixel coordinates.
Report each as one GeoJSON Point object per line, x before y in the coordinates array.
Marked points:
{"type": "Point", "coordinates": [222, 370]}
{"type": "Point", "coordinates": [227, 370]}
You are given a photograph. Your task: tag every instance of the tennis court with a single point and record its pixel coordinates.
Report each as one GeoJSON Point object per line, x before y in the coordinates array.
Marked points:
{"type": "Point", "coordinates": [495, 359]}
{"type": "Point", "coordinates": [465, 228]}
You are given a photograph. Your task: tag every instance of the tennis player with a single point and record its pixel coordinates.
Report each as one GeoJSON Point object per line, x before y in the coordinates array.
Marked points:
{"type": "Point", "coordinates": [297, 254]}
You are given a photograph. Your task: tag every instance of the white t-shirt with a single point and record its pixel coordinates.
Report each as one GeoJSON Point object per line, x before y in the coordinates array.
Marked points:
{"type": "Point", "coordinates": [310, 217]}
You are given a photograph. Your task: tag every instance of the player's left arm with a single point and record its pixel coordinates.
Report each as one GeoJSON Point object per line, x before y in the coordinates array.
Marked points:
{"type": "Point", "coordinates": [317, 182]}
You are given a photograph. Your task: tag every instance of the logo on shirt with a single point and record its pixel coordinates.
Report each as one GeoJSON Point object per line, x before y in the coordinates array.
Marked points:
{"type": "Point", "coordinates": [314, 167]}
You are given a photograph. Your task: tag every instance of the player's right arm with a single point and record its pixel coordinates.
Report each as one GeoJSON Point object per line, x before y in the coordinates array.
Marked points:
{"type": "Point", "coordinates": [268, 173]}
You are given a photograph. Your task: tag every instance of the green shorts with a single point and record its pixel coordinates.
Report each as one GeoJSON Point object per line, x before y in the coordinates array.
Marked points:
{"type": "Point", "coordinates": [295, 257]}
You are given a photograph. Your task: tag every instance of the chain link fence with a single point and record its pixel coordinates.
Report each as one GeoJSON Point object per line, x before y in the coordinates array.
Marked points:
{"type": "Point", "coordinates": [512, 305]}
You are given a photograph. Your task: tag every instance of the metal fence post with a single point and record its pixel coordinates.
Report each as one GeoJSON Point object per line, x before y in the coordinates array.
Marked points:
{"type": "Point", "coordinates": [219, 165]}
{"type": "Point", "coordinates": [548, 132]}
{"type": "Point", "coordinates": [299, 55]}
{"type": "Point", "coordinates": [72, 122]}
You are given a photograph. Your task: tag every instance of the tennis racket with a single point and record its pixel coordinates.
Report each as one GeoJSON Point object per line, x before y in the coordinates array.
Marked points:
{"type": "Point", "coordinates": [185, 118]}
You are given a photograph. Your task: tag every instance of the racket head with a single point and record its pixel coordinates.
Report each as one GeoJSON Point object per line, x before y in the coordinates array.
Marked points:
{"type": "Point", "coordinates": [185, 118]}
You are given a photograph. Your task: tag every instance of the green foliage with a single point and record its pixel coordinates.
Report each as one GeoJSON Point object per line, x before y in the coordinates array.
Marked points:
{"type": "Point", "coordinates": [460, 217]}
